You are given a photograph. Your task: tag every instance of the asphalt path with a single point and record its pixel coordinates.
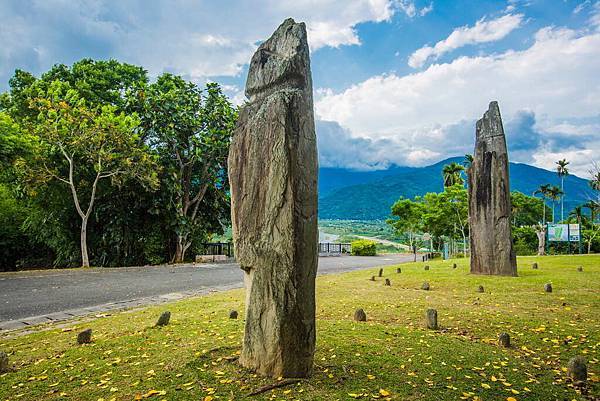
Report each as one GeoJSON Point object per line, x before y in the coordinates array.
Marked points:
{"type": "Point", "coordinates": [36, 293]}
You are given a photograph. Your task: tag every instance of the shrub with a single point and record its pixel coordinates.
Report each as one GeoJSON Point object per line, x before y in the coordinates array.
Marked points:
{"type": "Point", "coordinates": [364, 247]}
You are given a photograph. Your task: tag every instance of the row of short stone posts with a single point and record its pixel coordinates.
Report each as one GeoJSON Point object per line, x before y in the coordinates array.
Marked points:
{"type": "Point", "coordinates": [576, 368]}
{"type": "Point", "coordinates": [85, 337]}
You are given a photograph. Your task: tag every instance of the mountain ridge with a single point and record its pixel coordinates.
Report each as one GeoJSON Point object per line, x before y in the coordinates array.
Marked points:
{"type": "Point", "coordinates": [369, 195]}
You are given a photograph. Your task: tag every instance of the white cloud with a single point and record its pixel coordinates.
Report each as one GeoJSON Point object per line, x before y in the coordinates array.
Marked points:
{"type": "Point", "coordinates": [555, 78]}
{"type": "Point", "coordinates": [483, 31]}
{"type": "Point", "coordinates": [197, 39]}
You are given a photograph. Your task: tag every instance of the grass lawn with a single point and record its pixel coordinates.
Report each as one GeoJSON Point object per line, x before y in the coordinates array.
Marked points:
{"type": "Point", "coordinates": [391, 356]}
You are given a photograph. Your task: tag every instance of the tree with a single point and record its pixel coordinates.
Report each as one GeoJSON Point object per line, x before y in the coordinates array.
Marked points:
{"type": "Point", "coordinates": [452, 174]}
{"type": "Point", "coordinates": [82, 146]}
{"type": "Point", "coordinates": [562, 171]}
{"type": "Point", "coordinates": [594, 229]}
{"type": "Point", "coordinates": [526, 210]}
{"type": "Point", "coordinates": [468, 161]}
{"type": "Point", "coordinates": [543, 190]}
{"type": "Point", "coordinates": [554, 193]}
{"type": "Point", "coordinates": [408, 219]}
{"type": "Point", "coordinates": [191, 130]}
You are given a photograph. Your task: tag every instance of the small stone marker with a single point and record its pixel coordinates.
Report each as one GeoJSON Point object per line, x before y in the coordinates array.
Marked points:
{"type": "Point", "coordinates": [534, 266]}
{"type": "Point", "coordinates": [233, 314]}
{"type": "Point", "coordinates": [380, 272]}
{"type": "Point", "coordinates": [398, 270]}
{"type": "Point", "coordinates": [580, 268]}
{"type": "Point", "coordinates": [454, 266]}
{"type": "Point", "coordinates": [577, 370]}
{"type": "Point", "coordinates": [504, 340]}
{"type": "Point", "coordinates": [360, 315]}
{"type": "Point", "coordinates": [164, 318]}
{"type": "Point", "coordinates": [387, 282]}
{"type": "Point", "coordinates": [3, 362]}
{"type": "Point", "coordinates": [425, 286]}
{"type": "Point", "coordinates": [431, 317]}
{"type": "Point", "coordinates": [548, 287]}
{"type": "Point", "coordinates": [85, 337]}
{"type": "Point", "coordinates": [372, 278]}
{"type": "Point", "coordinates": [426, 267]}
{"type": "Point", "coordinates": [480, 289]}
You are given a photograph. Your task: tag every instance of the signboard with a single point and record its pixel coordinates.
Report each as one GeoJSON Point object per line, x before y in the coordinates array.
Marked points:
{"type": "Point", "coordinates": [574, 232]}
{"type": "Point", "coordinates": [563, 232]}
{"type": "Point", "coordinates": [558, 232]}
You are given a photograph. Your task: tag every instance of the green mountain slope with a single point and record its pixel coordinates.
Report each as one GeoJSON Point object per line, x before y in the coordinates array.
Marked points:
{"type": "Point", "coordinates": [370, 195]}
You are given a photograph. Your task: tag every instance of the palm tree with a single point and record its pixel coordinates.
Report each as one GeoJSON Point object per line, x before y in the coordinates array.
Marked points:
{"type": "Point", "coordinates": [451, 174]}
{"type": "Point", "coordinates": [543, 190]}
{"type": "Point", "coordinates": [595, 181]}
{"type": "Point", "coordinates": [577, 213]}
{"type": "Point", "coordinates": [562, 171]}
{"type": "Point", "coordinates": [468, 161]}
{"type": "Point", "coordinates": [554, 194]}
{"type": "Point", "coordinates": [593, 208]}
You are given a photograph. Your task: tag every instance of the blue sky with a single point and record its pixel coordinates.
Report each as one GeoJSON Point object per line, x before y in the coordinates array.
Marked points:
{"type": "Point", "coordinates": [396, 81]}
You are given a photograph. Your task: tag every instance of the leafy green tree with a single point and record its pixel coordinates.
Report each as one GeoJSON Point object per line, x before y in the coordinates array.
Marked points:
{"type": "Point", "coordinates": [562, 171]}
{"type": "Point", "coordinates": [526, 210]}
{"type": "Point", "coordinates": [82, 146]}
{"type": "Point", "coordinates": [191, 131]}
{"type": "Point", "coordinates": [407, 219]}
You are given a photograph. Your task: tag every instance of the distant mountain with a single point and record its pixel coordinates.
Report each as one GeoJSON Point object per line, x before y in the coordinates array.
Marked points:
{"type": "Point", "coordinates": [369, 195]}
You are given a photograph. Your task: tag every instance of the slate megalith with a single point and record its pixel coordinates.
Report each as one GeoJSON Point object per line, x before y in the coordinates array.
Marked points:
{"type": "Point", "coordinates": [273, 179]}
{"type": "Point", "coordinates": [492, 249]}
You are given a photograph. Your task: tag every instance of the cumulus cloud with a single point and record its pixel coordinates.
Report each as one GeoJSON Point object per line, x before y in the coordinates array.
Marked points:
{"type": "Point", "coordinates": [552, 81]}
{"type": "Point", "coordinates": [483, 31]}
{"type": "Point", "coordinates": [197, 39]}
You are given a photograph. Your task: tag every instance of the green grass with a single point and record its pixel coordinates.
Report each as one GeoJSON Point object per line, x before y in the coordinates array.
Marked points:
{"type": "Point", "coordinates": [193, 357]}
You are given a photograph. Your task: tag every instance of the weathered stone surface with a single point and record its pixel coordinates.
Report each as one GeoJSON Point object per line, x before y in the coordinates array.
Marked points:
{"type": "Point", "coordinates": [577, 369]}
{"type": "Point", "coordinates": [548, 287]}
{"type": "Point", "coordinates": [388, 282]}
{"type": "Point", "coordinates": [480, 289]}
{"type": "Point", "coordinates": [432, 319]}
{"type": "Point", "coordinates": [380, 272]}
{"type": "Point", "coordinates": [360, 315]}
{"type": "Point", "coordinates": [504, 340]}
{"type": "Point", "coordinates": [233, 314]}
{"type": "Point", "coordinates": [3, 362]}
{"type": "Point", "coordinates": [164, 319]}
{"type": "Point", "coordinates": [425, 286]}
{"type": "Point", "coordinates": [427, 267]}
{"type": "Point", "coordinates": [85, 337]}
{"type": "Point", "coordinates": [398, 270]}
{"type": "Point", "coordinates": [273, 178]}
{"type": "Point", "coordinates": [489, 200]}
{"type": "Point", "coordinates": [534, 266]}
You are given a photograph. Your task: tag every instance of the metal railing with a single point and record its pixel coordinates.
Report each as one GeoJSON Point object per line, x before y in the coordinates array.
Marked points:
{"type": "Point", "coordinates": [217, 248]}
{"type": "Point", "coordinates": [332, 247]}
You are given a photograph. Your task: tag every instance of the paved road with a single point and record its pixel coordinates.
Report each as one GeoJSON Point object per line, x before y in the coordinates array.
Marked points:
{"type": "Point", "coordinates": [41, 293]}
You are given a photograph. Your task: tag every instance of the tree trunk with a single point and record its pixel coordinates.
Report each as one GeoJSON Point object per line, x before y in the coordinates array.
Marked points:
{"type": "Point", "coordinates": [562, 198]}
{"type": "Point", "coordinates": [541, 234]}
{"type": "Point", "coordinates": [85, 261]}
{"type": "Point", "coordinates": [180, 248]}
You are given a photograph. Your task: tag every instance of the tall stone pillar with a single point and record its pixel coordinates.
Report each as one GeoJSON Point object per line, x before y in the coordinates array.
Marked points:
{"type": "Point", "coordinates": [492, 249]}
{"type": "Point", "coordinates": [273, 178]}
